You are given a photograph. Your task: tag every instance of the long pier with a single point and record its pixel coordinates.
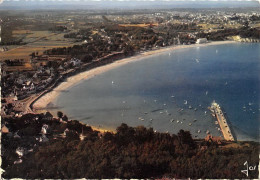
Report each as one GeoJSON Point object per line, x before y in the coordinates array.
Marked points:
{"type": "Point", "coordinates": [215, 108]}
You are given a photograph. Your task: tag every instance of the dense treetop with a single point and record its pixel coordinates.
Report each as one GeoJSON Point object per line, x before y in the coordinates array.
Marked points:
{"type": "Point", "coordinates": [128, 153]}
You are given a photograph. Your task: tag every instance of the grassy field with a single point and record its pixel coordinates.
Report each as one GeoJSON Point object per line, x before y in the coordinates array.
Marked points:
{"type": "Point", "coordinates": [37, 41]}
{"type": "Point", "coordinates": [138, 25]}
{"type": "Point", "coordinates": [26, 67]}
{"type": "Point", "coordinates": [18, 32]}
{"type": "Point", "coordinates": [256, 25]}
{"type": "Point", "coordinates": [209, 26]}
{"type": "Point", "coordinates": [217, 26]}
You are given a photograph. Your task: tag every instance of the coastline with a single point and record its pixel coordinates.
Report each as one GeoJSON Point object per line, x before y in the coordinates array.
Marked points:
{"type": "Point", "coordinates": [43, 102]}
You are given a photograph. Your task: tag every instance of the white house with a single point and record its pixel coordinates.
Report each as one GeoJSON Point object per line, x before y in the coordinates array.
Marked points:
{"type": "Point", "coordinates": [43, 138]}
{"type": "Point", "coordinates": [75, 62]}
{"type": "Point", "coordinates": [45, 128]}
{"type": "Point", "coordinates": [18, 161]}
{"type": "Point", "coordinates": [20, 151]}
{"type": "Point", "coordinates": [66, 131]}
{"type": "Point", "coordinates": [201, 41]}
{"type": "Point", "coordinates": [32, 87]}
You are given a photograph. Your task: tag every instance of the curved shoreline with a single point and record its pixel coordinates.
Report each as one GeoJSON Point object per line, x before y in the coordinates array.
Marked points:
{"type": "Point", "coordinates": [44, 99]}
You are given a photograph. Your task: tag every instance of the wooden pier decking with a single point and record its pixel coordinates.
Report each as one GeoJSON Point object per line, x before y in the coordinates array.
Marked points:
{"type": "Point", "coordinates": [215, 108]}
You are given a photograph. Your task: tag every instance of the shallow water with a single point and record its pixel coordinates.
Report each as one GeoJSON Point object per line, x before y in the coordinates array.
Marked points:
{"type": "Point", "coordinates": [141, 93]}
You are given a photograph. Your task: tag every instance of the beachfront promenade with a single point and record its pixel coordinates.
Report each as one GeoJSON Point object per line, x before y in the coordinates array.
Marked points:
{"type": "Point", "coordinates": [222, 122]}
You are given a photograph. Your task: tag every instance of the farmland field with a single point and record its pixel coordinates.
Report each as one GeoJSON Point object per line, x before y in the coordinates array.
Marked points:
{"type": "Point", "coordinates": [36, 41]}
{"type": "Point", "coordinates": [138, 25]}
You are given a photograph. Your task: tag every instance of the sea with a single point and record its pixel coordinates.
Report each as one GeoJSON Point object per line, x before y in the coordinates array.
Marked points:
{"type": "Point", "coordinates": [173, 90]}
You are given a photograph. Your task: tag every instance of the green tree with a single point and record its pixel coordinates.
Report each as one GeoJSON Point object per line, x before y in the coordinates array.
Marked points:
{"type": "Point", "coordinates": [60, 114]}
{"type": "Point", "coordinates": [65, 118]}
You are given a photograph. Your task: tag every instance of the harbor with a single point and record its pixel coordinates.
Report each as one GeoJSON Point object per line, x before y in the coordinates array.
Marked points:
{"type": "Point", "coordinates": [218, 113]}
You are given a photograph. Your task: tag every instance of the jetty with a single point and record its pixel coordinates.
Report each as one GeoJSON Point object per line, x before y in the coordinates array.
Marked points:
{"type": "Point", "coordinates": [218, 113]}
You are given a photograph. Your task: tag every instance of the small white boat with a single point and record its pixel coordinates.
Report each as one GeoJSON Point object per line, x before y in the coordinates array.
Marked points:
{"type": "Point", "coordinates": [172, 120]}
{"type": "Point", "coordinates": [250, 104]}
{"type": "Point", "coordinates": [178, 121]}
{"type": "Point", "coordinates": [190, 107]}
{"type": "Point", "coordinates": [185, 102]}
{"type": "Point", "coordinates": [164, 104]}
{"type": "Point", "coordinates": [206, 93]}
{"type": "Point", "coordinates": [190, 124]}
{"type": "Point", "coordinates": [199, 131]}
{"type": "Point", "coordinates": [197, 60]}
{"type": "Point", "coordinates": [140, 118]}
{"type": "Point", "coordinates": [172, 96]}
{"type": "Point", "coordinates": [207, 132]}
{"type": "Point", "coordinates": [112, 82]}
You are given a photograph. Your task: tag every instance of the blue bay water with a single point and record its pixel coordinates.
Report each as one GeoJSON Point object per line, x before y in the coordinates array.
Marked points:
{"type": "Point", "coordinates": [153, 91]}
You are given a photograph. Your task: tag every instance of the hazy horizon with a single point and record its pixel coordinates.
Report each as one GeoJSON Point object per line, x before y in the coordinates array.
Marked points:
{"type": "Point", "coordinates": [122, 4]}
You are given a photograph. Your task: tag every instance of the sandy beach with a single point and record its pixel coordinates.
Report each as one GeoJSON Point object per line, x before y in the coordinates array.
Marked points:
{"type": "Point", "coordinates": [46, 100]}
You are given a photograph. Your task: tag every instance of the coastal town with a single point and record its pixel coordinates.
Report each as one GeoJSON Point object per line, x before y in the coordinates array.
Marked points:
{"type": "Point", "coordinates": [41, 50]}
{"type": "Point", "coordinates": [103, 39]}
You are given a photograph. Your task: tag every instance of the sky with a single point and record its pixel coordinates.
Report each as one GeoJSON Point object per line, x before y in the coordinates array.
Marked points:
{"type": "Point", "coordinates": [1, 1]}
{"type": "Point", "coordinates": [32, 4]}
{"type": "Point", "coordinates": [129, 0]}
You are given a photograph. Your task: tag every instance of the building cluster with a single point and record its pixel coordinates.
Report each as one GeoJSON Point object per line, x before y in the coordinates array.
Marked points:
{"type": "Point", "coordinates": [20, 85]}
{"type": "Point", "coordinates": [45, 127]}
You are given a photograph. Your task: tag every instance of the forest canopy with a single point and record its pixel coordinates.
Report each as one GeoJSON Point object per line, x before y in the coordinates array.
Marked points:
{"type": "Point", "coordinates": [74, 150]}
